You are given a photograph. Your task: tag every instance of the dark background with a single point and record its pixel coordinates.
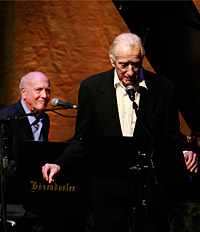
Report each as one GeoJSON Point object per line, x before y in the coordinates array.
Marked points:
{"type": "Point", "coordinates": [171, 34]}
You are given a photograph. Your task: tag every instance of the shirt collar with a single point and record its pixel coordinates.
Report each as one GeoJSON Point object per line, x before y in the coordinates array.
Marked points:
{"type": "Point", "coordinates": [31, 119]}
{"type": "Point", "coordinates": [117, 82]}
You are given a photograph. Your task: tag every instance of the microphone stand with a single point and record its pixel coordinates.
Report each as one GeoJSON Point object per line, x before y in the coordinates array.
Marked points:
{"type": "Point", "coordinates": [59, 108]}
{"type": "Point", "coordinates": [4, 159]}
{"type": "Point", "coordinates": [143, 167]}
{"type": "Point", "coordinates": [3, 173]}
{"type": "Point", "coordinates": [4, 127]}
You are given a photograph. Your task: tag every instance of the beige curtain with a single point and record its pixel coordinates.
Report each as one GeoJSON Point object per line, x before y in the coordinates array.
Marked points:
{"type": "Point", "coordinates": [67, 40]}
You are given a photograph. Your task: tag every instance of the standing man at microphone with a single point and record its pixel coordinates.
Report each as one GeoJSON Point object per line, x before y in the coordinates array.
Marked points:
{"type": "Point", "coordinates": [35, 91]}
{"type": "Point", "coordinates": [105, 109]}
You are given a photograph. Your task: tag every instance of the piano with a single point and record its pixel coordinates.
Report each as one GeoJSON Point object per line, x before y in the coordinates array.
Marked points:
{"type": "Point", "coordinates": [104, 157]}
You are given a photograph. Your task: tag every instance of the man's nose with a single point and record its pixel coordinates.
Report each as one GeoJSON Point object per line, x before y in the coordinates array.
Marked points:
{"type": "Point", "coordinates": [43, 93]}
{"type": "Point", "coordinates": [130, 70]}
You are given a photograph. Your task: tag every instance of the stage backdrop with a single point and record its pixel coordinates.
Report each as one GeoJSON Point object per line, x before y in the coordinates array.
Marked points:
{"type": "Point", "coordinates": [67, 40]}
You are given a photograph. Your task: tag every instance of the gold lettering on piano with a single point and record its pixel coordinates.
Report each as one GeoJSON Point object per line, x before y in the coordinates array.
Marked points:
{"type": "Point", "coordinates": [35, 186]}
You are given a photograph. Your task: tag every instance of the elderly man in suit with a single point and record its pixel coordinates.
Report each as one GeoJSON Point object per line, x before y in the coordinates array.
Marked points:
{"type": "Point", "coordinates": [105, 109]}
{"type": "Point", "coordinates": [35, 94]}
{"type": "Point", "coordinates": [35, 91]}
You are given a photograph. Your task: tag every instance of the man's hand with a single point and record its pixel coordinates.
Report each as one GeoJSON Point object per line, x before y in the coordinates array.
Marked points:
{"type": "Point", "coordinates": [49, 170]}
{"type": "Point", "coordinates": [191, 161]}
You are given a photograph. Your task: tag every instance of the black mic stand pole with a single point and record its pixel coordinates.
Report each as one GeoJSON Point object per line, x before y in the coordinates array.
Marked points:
{"type": "Point", "coordinates": [3, 173]}
{"type": "Point", "coordinates": [143, 167]}
{"type": "Point", "coordinates": [135, 107]}
{"type": "Point", "coordinates": [4, 160]}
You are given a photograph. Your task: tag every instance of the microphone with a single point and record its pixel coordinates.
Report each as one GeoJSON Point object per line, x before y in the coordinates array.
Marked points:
{"type": "Point", "coordinates": [56, 102]}
{"type": "Point", "coordinates": [130, 90]}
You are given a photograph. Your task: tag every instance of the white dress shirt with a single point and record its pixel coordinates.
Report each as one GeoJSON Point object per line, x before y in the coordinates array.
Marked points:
{"type": "Point", "coordinates": [126, 112]}
{"type": "Point", "coordinates": [36, 125]}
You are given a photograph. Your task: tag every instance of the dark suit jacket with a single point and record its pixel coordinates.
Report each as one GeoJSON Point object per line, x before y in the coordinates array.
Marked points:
{"type": "Point", "coordinates": [20, 129]}
{"type": "Point", "coordinates": [98, 116]}
{"type": "Point", "coordinates": [98, 113]}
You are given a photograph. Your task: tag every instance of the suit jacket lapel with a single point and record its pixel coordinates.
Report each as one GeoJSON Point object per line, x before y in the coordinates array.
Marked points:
{"type": "Point", "coordinates": [109, 103]}
{"type": "Point", "coordinates": [147, 101]}
{"type": "Point", "coordinates": [24, 123]}
{"type": "Point", "coordinates": [45, 127]}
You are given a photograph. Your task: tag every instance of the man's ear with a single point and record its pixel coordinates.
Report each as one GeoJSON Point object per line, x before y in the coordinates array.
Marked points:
{"type": "Point", "coordinates": [112, 62]}
{"type": "Point", "coordinates": [23, 91]}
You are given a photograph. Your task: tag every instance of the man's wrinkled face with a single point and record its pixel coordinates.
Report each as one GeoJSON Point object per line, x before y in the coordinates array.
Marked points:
{"type": "Point", "coordinates": [128, 63]}
{"type": "Point", "coordinates": [36, 92]}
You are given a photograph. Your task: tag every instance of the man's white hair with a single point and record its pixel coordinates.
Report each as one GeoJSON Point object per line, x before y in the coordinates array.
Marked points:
{"type": "Point", "coordinates": [126, 38]}
{"type": "Point", "coordinates": [24, 79]}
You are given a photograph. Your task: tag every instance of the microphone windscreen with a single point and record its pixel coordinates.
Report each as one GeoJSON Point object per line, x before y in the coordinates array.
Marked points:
{"type": "Point", "coordinates": [130, 90]}
{"type": "Point", "coordinates": [54, 102]}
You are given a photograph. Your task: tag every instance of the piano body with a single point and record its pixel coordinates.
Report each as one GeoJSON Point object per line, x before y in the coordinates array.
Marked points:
{"type": "Point", "coordinates": [74, 189]}
{"type": "Point", "coordinates": [27, 186]}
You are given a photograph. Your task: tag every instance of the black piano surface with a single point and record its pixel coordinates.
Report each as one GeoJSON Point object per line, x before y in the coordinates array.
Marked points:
{"type": "Point", "coordinates": [104, 157]}
{"type": "Point", "coordinates": [28, 187]}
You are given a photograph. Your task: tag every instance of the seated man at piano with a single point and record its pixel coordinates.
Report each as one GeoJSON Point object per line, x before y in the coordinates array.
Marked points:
{"type": "Point", "coordinates": [35, 91]}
